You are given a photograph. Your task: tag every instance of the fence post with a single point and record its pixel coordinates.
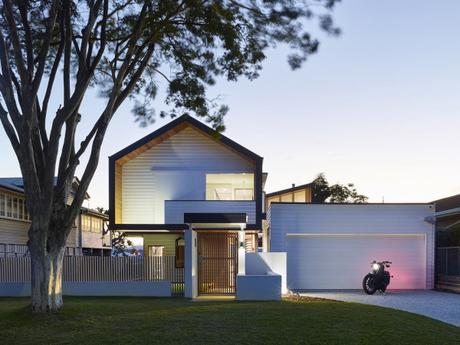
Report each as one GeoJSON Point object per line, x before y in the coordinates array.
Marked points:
{"type": "Point", "coordinates": [447, 258]}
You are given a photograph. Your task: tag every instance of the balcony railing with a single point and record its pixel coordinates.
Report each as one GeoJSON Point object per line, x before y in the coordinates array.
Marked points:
{"type": "Point", "coordinates": [175, 209]}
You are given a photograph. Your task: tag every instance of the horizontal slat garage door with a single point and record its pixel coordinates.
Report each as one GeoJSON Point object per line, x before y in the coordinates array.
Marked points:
{"type": "Point", "coordinates": [333, 261]}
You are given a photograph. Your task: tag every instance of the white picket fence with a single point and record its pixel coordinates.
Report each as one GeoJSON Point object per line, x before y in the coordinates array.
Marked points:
{"type": "Point", "coordinates": [95, 268]}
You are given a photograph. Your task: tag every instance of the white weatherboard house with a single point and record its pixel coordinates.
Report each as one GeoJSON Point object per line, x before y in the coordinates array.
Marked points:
{"type": "Point", "coordinates": [197, 197]}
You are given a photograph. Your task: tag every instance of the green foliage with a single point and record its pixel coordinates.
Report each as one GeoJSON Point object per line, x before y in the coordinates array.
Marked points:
{"type": "Point", "coordinates": [188, 44]}
{"type": "Point", "coordinates": [120, 244]}
{"type": "Point", "coordinates": [323, 192]}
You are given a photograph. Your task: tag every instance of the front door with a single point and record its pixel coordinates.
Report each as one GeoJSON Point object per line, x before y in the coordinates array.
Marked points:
{"type": "Point", "coordinates": [217, 263]}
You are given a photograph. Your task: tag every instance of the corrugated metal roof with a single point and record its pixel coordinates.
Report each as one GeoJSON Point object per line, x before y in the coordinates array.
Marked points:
{"type": "Point", "coordinates": [16, 184]}
{"type": "Point", "coordinates": [12, 183]}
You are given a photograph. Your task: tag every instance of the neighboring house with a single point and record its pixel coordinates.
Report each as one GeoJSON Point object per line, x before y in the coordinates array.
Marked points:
{"type": "Point", "coordinates": [295, 194]}
{"type": "Point", "coordinates": [448, 243]}
{"type": "Point", "coordinates": [191, 194]}
{"type": "Point", "coordinates": [88, 235]}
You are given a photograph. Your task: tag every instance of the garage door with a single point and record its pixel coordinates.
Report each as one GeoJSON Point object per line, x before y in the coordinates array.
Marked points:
{"type": "Point", "coordinates": [333, 261]}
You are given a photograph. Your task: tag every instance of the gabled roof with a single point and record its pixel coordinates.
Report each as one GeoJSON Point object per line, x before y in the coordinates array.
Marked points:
{"type": "Point", "coordinates": [177, 124]}
{"type": "Point", "coordinates": [448, 203]}
{"type": "Point", "coordinates": [290, 190]}
{"type": "Point", "coordinates": [93, 212]}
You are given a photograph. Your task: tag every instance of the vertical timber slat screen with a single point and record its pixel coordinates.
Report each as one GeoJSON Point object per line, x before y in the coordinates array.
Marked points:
{"type": "Point", "coordinates": [217, 263]}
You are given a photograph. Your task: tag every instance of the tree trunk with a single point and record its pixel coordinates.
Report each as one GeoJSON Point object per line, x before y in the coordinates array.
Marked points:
{"type": "Point", "coordinates": [46, 276]}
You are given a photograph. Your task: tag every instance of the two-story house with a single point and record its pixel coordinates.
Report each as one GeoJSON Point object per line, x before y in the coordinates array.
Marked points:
{"type": "Point", "coordinates": [192, 193]}
{"type": "Point", "coordinates": [88, 235]}
{"type": "Point", "coordinates": [196, 197]}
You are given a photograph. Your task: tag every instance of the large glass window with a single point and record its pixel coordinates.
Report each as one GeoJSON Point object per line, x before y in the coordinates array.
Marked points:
{"type": "Point", "coordinates": [230, 186]}
{"type": "Point", "coordinates": [223, 193]}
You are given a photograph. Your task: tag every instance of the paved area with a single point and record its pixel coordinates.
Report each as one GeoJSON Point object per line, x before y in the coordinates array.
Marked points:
{"type": "Point", "coordinates": [437, 305]}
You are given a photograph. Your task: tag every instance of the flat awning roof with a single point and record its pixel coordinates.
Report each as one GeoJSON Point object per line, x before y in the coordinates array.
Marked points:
{"type": "Point", "coordinates": [215, 218]}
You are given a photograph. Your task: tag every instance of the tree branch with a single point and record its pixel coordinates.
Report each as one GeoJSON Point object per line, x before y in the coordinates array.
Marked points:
{"type": "Point", "coordinates": [28, 36]}
{"type": "Point", "coordinates": [44, 49]}
{"type": "Point", "coordinates": [9, 129]}
{"type": "Point", "coordinates": [23, 74]}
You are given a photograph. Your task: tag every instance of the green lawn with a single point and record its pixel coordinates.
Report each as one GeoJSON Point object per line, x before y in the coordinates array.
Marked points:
{"type": "Point", "coordinates": [179, 321]}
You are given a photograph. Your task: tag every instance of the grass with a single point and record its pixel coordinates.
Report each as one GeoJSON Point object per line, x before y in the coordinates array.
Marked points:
{"type": "Point", "coordinates": [179, 321]}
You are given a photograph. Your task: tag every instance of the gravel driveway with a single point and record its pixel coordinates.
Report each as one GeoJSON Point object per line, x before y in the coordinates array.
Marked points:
{"type": "Point", "coordinates": [437, 305]}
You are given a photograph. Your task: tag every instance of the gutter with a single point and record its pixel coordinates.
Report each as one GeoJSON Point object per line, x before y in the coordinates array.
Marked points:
{"type": "Point", "coordinates": [446, 213]}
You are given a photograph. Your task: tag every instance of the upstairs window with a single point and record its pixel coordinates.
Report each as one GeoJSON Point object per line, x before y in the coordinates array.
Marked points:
{"type": "Point", "coordinates": [223, 193]}
{"type": "Point", "coordinates": [13, 207]}
{"type": "Point", "coordinates": [85, 223]}
{"type": "Point", "coordinates": [230, 186]}
{"type": "Point", "coordinates": [2, 204]}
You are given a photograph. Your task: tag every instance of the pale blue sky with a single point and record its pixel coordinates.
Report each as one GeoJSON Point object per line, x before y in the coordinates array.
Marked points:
{"type": "Point", "coordinates": [379, 106]}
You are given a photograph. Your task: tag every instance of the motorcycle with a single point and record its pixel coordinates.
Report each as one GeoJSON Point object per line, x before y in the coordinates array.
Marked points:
{"type": "Point", "coordinates": [378, 279]}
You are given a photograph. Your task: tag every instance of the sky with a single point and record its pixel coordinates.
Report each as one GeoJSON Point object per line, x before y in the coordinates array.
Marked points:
{"type": "Point", "coordinates": [378, 106]}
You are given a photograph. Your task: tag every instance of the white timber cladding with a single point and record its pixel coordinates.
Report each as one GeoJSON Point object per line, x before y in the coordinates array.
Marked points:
{"type": "Point", "coordinates": [16, 232]}
{"type": "Point", "coordinates": [174, 211]}
{"type": "Point", "coordinates": [175, 169]}
{"type": "Point", "coordinates": [294, 228]}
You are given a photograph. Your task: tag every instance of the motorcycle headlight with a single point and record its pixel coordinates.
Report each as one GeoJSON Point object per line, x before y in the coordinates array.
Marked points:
{"type": "Point", "coordinates": [375, 267]}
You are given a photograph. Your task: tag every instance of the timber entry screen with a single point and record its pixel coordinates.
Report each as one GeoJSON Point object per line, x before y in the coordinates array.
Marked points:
{"type": "Point", "coordinates": [217, 263]}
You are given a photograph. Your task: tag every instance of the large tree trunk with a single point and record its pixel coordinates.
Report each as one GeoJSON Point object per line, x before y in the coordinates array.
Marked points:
{"type": "Point", "coordinates": [46, 275]}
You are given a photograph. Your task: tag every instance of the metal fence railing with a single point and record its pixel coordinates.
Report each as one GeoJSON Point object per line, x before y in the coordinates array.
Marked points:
{"type": "Point", "coordinates": [97, 268]}
{"type": "Point", "coordinates": [448, 261]}
{"type": "Point", "coordinates": [448, 268]}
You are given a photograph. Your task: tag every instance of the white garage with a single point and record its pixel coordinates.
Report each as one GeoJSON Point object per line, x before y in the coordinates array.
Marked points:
{"type": "Point", "coordinates": [330, 246]}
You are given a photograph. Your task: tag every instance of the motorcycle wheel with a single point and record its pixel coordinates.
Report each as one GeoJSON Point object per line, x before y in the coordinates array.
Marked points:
{"type": "Point", "coordinates": [369, 284]}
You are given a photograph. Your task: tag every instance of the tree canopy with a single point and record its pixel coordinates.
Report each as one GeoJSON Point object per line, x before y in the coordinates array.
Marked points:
{"type": "Point", "coordinates": [323, 192]}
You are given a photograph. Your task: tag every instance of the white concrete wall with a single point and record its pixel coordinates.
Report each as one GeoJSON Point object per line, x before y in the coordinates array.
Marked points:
{"type": "Point", "coordinates": [175, 209]}
{"type": "Point", "coordinates": [174, 170]}
{"type": "Point", "coordinates": [258, 287]}
{"type": "Point", "coordinates": [352, 219]}
{"type": "Point", "coordinates": [128, 288]}
{"type": "Point", "coordinates": [190, 265]}
{"type": "Point", "coordinates": [262, 263]}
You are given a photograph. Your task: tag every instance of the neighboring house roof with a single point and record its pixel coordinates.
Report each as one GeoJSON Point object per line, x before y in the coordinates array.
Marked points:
{"type": "Point", "coordinates": [448, 206]}
{"type": "Point", "coordinates": [92, 212]}
{"type": "Point", "coordinates": [181, 121]}
{"type": "Point", "coordinates": [12, 183]}
{"type": "Point", "coordinates": [290, 190]}
{"type": "Point", "coordinates": [16, 184]}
